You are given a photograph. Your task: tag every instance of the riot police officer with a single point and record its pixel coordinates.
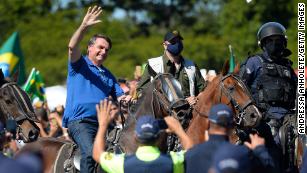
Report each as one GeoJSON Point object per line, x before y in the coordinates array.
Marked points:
{"type": "Point", "coordinates": [272, 82]}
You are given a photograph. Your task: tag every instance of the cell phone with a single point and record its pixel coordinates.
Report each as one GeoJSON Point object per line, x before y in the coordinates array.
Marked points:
{"type": "Point", "coordinates": [162, 124]}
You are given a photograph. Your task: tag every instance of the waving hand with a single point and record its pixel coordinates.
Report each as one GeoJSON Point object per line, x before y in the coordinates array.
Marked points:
{"type": "Point", "coordinates": [91, 17]}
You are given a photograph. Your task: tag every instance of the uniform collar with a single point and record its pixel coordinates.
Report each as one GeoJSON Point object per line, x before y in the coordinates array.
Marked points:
{"type": "Point", "coordinates": [267, 56]}
{"type": "Point", "coordinates": [147, 153]}
{"type": "Point", "coordinates": [147, 149]}
{"type": "Point", "coordinates": [167, 61]}
{"type": "Point", "coordinates": [218, 138]}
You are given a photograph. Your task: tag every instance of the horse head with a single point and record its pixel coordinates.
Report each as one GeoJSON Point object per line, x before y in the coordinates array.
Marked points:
{"type": "Point", "coordinates": [229, 89]}
{"type": "Point", "coordinates": [162, 97]}
{"type": "Point", "coordinates": [165, 97]}
{"type": "Point", "coordinates": [16, 105]}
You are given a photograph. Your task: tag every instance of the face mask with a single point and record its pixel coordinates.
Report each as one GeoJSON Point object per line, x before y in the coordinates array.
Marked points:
{"type": "Point", "coordinates": [175, 49]}
{"type": "Point", "coordinates": [274, 49]}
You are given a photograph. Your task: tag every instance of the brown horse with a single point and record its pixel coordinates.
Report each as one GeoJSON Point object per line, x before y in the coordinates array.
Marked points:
{"type": "Point", "coordinates": [16, 105]}
{"type": "Point", "coordinates": [228, 89]}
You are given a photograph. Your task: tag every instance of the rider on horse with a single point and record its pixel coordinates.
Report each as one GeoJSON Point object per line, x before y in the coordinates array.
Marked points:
{"type": "Point", "coordinates": [183, 69]}
{"type": "Point", "coordinates": [272, 82]}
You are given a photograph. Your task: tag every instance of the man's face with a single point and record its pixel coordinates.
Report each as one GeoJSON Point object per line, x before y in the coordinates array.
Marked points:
{"type": "Point", "coordinates": [98, 52]}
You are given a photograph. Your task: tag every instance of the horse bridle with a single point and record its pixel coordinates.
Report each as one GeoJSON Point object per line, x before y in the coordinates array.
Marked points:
{"type": "Point", "coordinates": [13, 87]}
{"type": "Point", "coordinates": [228, 93]}
{"type": "Point", "coordinates": [169, 107]}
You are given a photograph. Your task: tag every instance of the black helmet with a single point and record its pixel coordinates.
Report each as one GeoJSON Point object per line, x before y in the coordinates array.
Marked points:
{"type": "Point", "coordinates": [269, 29]}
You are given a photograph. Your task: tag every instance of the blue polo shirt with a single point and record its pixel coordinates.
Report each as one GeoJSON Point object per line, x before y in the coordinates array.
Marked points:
{"type": "Point", "coordinates": [87, 84]}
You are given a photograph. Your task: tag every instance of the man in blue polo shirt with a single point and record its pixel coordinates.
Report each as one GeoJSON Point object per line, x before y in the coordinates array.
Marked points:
{"type": "Point", "coordinates": [147, 157]}
{"type": "Point", "coordinates": [88, 82]}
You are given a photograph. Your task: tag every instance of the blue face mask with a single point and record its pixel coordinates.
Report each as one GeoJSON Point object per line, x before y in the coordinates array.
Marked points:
{"type": "Point", "coordinates": [175, 49]}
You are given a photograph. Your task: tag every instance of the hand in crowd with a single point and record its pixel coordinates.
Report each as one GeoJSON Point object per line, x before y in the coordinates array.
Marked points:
{"type": "Point", "coordinates": [256, 141]}
{"type": "Point", "coordinates": [125, 98]}
{"type": "Point", "coordinates": [91, 16]}
{"type": "Point", "coordinates": [173, 124]}
{"type": "Point", "coordinates": [103, 113]}
{"type": "Point", "coordinates": [192, 100]}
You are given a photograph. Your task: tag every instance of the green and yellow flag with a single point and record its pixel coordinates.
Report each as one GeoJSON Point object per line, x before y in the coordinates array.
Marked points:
{"type": "Point", "coordinates": [11, 58]}
{"type": "Point", "coordinates": [35, 86]}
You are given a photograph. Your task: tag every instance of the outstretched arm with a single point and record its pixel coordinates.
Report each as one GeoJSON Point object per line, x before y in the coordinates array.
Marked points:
{"type": "Point", "coordinates": [174, 126]}
{"type": "Point", "coordinates": [104, 118]}
{"type": "Point", "coordinates": [89, 19]}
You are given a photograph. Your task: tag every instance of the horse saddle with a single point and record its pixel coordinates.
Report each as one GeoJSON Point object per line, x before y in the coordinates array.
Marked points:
{"type": "Point", "coordinates": [68, 159]}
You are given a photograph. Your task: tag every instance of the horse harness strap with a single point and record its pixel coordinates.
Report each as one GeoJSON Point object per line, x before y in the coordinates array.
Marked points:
{"type": "Point", "coordinates": [228, 94]}
{"type": "Point", "coordinates": [65, 161]}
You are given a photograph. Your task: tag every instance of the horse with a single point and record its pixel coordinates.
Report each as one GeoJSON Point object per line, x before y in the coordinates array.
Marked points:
{"type": "Point", "coordinates": [229, 89]}
{"type": "Point", "coordinates": [15, 105]}
{"type": "Point", "coordinates": [162, 99]}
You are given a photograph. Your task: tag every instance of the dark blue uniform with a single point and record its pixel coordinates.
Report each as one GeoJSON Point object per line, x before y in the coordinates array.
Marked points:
{"type": "Point", "coordinates": [274, 79]}
{"type": "Point", "coordinates": [199, 158]}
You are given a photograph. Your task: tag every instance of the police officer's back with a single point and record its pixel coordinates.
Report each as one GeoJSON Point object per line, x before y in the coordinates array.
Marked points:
{"type": "Point", "coordinates": [199, 158]}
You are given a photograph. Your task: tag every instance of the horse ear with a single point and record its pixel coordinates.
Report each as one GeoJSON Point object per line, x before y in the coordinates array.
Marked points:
{"type": "Point", "coordinates": [237, 69]}
{"type": "Point", "coordinates": [225, 68]}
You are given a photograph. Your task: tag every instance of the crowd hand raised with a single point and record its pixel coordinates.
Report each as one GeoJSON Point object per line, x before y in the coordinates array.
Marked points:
{"type": "Point", "coordinates": [256, 141]}
{"type": "Point", "coordinates": [91, 17]}
{"type": "Point", "coordinates": [192, 100]}
{"type": "Point", "coordinates": [103, 112]}
{"type": "Point", "coordinates": [173, 124]}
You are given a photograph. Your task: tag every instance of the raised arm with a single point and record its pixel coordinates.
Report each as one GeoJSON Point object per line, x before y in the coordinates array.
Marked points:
{"type": "Point", "coordinates": [104, 118]}
{"type": "Point", "coordinates": [89, 19]}
{"type": "Point", "coordinates": [174, 126]}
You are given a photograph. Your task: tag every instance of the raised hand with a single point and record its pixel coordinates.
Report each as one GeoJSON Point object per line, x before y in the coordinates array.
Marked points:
{"type": "Point", "coordinates": [91, 17]}
{"type": "Point", "coordinates": [256, 141]}
{"type": "Point", "coordinates": [103, 112]}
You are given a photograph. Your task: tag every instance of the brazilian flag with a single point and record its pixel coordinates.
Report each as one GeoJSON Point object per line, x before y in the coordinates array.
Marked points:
{"type": "Point", "coordinates": [11, 58]}
{"type": "Point", "coordinates": [35, 87]}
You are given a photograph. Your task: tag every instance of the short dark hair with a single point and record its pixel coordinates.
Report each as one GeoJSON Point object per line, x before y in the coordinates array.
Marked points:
{"type": "Point", "coordinates": [94, 37]}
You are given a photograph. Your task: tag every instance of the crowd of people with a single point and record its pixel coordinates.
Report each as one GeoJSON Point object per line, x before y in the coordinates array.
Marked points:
{"type": "Point", "coordinates": [89, 112]}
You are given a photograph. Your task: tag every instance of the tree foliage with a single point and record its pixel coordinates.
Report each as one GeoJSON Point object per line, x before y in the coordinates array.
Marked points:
{"type": "Point", "coordinates": [208, 27]}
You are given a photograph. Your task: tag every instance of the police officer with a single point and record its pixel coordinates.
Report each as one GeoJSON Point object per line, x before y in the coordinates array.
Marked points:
{"type": "Point", "coordinates": [272, 81]}
{"type": "Point", "coordinates": [184, 70]}
{"type": "Point", "coordinates": [147, 157]}
{"type": "Point", "coordinates": [200, 157]}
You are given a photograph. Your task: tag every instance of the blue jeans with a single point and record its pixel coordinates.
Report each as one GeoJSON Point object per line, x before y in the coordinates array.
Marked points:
{"type": "Point", "coordinates": [83, 132]}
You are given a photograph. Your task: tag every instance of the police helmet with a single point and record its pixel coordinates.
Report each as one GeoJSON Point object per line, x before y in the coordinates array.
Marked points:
{"type": "Point", "coordinates": [270, 29]}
